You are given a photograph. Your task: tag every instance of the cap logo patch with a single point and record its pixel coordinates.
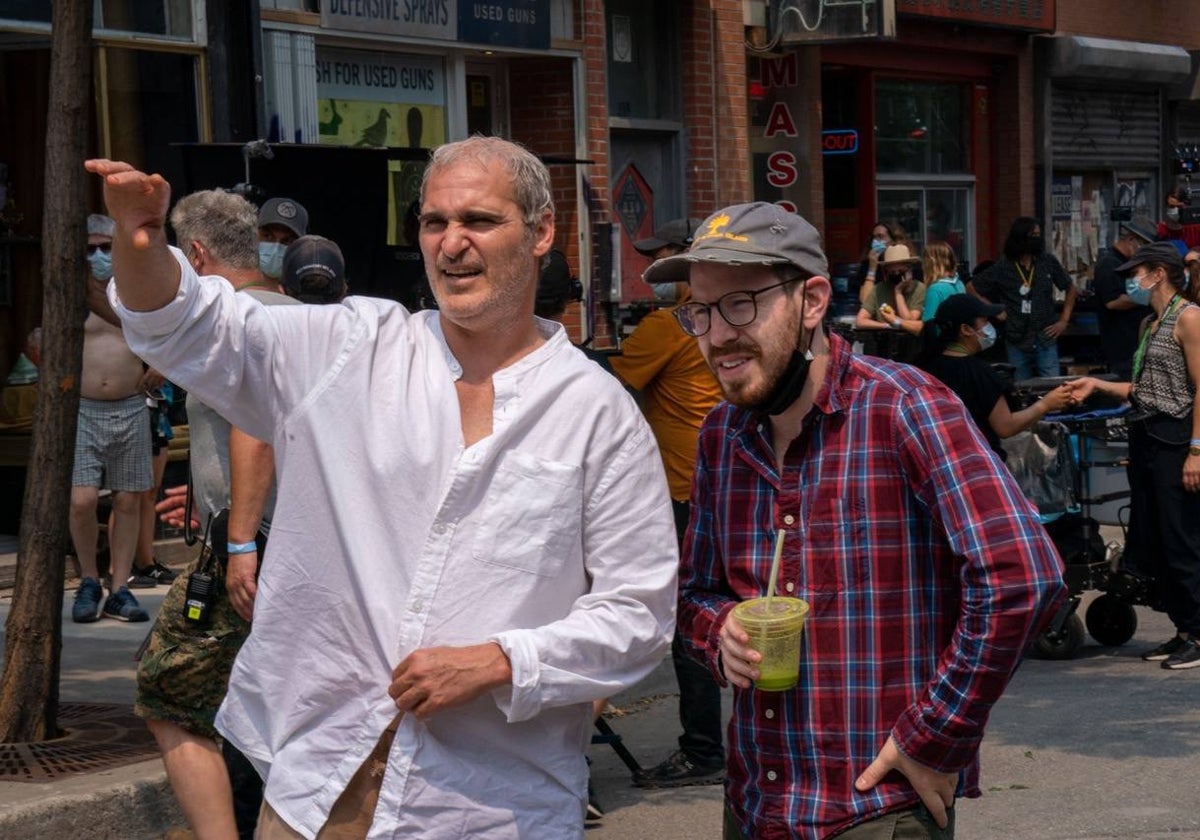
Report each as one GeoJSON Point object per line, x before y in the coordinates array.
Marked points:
{"type": "Point", "coordinates": [286, 210]}
{"type": "Point", "coordinates": [778, 228]}
{"type": "Point", "coordinates": [714, 230]}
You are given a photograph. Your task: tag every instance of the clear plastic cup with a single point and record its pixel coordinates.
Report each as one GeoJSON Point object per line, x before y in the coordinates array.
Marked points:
{"type": "Point", "coordinates": [774, 633]}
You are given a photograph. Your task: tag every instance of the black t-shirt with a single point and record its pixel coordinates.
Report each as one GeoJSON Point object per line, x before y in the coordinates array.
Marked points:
{"type": "Point", "coordinates": [977, 385]}
{"type": "Point", "coordinates": [1118, 327]}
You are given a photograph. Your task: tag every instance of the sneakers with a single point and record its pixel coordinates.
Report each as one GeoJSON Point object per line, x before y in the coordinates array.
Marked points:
{"type": "Point", "coordinates": [1188, 656]}
{"type": "Point", "coordinates": [122, 606]}
{"type": "Point", "coordinates": [594, 811]}
{"type": "Point", "coordinates": [1165, 650]}
{"type": "Point", "coordinates": [158, 572]}
{"type": "Point", "coordinates": [88, 596]}
{"type": "Point", "coordinates": [150, 576]}
{"type": "Point", "coordinates": [680, 771]}
{"type": "Point", "coordinates": [137, 580]}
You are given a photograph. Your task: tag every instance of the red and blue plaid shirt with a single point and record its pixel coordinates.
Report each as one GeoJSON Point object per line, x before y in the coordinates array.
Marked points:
{"type": "Point", "coordinates": [927, 572]}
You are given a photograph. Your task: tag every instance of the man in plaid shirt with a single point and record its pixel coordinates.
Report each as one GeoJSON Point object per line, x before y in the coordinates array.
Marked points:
{"type": "Point", "coordinates": [926, 570]}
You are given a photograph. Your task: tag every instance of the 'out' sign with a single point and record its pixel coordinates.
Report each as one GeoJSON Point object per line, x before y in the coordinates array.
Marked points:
{"type": "Point", "coordinates": [841, 141]}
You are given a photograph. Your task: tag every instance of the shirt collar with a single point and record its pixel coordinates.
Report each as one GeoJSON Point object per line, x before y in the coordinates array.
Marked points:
{"type": "Point", "coordinates": [553, 333]}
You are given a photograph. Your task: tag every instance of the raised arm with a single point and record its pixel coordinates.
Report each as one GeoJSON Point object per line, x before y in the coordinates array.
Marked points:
{"type": "Point", "coordinates": [146, 274]}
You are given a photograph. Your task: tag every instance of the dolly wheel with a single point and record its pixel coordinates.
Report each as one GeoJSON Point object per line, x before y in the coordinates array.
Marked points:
{"type": "Point", "coordinates": [1063, 644]}
{"type": "Point", "coordinates": [1111, 620]}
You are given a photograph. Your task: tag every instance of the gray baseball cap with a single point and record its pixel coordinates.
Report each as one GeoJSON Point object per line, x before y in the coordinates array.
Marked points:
{"type": "Point", "coordinates": [758, 233]}
{"type": "Point", "coordinates": [677, 232]}
{"type": "Point", "coordinates": [284, 211]}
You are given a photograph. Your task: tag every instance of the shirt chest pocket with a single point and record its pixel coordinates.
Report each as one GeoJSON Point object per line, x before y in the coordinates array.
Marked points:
{"type": "Point", "coordinates": [530, 519]}
{"type": "Point", "coordinates": [837, 556]}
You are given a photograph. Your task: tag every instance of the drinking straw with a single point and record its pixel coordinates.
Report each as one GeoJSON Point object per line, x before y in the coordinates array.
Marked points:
{"type": "Point", "coordinates": [779, 535]}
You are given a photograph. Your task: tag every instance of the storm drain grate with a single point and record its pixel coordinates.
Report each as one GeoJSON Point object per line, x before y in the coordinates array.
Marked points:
{"type": "Point", "coordinates": [99, 737]}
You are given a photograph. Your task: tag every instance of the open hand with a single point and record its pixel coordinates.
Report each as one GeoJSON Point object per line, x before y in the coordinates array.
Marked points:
{"type": "Point", "coordinates": [171, 508]}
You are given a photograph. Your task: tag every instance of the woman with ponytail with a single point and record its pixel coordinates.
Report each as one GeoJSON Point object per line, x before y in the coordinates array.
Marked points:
{"type": "Point", "coordinates": [959, 331]}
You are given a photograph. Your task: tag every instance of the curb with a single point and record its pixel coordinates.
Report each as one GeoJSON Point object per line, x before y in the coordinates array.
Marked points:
{"type": "Point", "coordinates": [141, 808]}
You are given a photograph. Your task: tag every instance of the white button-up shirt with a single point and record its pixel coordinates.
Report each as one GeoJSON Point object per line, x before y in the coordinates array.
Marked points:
{"type": "Point", "coordinates": [553, 536]}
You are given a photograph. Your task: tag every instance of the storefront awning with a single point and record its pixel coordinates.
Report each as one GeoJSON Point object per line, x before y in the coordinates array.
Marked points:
{"type": "Point", "coordinates": [1077, 56]}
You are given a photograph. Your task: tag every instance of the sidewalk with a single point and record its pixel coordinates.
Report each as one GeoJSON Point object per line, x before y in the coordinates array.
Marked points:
{"type": "Point", "coordinates": [133, 801]}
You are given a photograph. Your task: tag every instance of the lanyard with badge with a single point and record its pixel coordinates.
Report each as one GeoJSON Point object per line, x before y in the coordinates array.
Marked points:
{"type": "Point", "coordinates": [1026, 285]}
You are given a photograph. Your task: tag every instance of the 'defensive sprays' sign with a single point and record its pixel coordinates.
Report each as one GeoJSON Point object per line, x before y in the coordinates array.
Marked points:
{"type": "Point", "coordinates": [501, 23]}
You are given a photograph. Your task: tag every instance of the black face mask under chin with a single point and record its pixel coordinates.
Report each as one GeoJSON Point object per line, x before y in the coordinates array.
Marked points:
{"type": "Point", "coordinates": [791, 383]}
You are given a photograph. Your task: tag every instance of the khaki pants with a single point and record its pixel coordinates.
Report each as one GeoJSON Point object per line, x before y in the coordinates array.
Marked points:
{"type": "Point", "coordinates": [350, 818]}
{"type": "Point", "coordinates": [914, 824]}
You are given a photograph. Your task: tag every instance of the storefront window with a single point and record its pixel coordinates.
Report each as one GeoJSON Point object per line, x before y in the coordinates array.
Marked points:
{"type": "Point", "coordinates": [168, 18]}
{"type": "Point", "coordinates": [921, 127]}
{"type": "Point", "coordinates": [930, 214]}
{"type": "Point", "coordinates": [384, 99]}
{"type": "Point", "coordinates": [642, 60]}
{"type": "Point", "coordinates": [152, 103]}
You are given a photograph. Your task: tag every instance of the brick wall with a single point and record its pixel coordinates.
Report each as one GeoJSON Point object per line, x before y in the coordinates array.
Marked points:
{"type": "Point", "coordinates": [1172, 22]}
{"type": "Point", "coordinates": [542, 109]}
{"type": "Point", "coordinates": [1013, 115]}
{"type": "Point", "coordinates": [713, 69]}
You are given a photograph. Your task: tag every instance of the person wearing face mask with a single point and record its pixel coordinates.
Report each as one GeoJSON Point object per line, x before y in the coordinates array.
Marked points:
{"type": "Point", "coordinates": [281, 221]}
{"type": "Point", "coordinates": [958, 332]}
{"type": "Point", "coordinates": [868, 269]}
{"type": "Point", "coordinates": [1119, 317]}
{"type": "Point", "coordinates": [926, 571]}
{"type": "Point", "coordinates": [112, 444]}
{"type": "Point", "coordinates": [1023, 282]}
{"type": "Point", "coordinates": [672, 238]}
{"type": "Point", "coordinates": [1163, 540]}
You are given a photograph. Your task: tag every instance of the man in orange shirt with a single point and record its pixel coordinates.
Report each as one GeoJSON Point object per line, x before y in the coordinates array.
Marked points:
{"type": "Point", "coordinates": [677, 391]}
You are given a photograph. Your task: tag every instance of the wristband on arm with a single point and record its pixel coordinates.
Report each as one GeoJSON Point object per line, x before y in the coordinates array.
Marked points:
{"type": "Point", "coordinates": [241, 548]}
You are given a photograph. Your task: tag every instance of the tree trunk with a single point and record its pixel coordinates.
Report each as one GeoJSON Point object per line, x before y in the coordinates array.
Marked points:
{"type": "Point", "coordinates": [29, 684]}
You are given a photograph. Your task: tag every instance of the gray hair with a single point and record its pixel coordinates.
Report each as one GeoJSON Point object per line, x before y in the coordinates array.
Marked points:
{"type": "Point", "coordinates": [224, 223]}
{"type": "Point", "coordinates": [98, 225]}
{"type": "Point", "coordinates": [530, 178]}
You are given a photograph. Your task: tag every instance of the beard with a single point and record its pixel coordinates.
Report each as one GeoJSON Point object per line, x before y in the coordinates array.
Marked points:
{"type": "Point", "coordinates": [772, 355]}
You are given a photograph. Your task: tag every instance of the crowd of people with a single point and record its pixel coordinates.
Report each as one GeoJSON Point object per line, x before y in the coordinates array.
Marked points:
{"type": "Point", "coordinates": [368, 478]}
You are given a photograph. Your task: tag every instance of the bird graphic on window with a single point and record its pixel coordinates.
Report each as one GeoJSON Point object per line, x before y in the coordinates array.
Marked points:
{"type": "Point", "coordinates": [376, 133]}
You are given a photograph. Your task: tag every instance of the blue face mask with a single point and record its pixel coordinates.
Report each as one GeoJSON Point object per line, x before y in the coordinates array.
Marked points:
{"type": "Point", "coordinates": [1135, 292]}
{"type": "Point", "coordinates": [270, 258]}
{"type": "Point", "coordinates": [664, 291]}
{"type": "Point", "coordinates": [986, 336]}
{"type": "Point", "coordinates": [879, 244]}
{"type": "Point", "coordinates": [101, 264]}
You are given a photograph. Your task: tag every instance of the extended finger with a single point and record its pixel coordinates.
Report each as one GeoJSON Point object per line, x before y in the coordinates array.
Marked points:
{"type": "Point", "coordinates": [104, 166]}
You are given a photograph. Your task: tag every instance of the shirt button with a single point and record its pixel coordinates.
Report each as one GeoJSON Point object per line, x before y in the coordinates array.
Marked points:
{"type": "Point", "coordinates": [790, 587]}
{"type": "Point", "coordinates": [415, 606]}
{"type": "Point", "coordinates": [789, 519]}
{"type": "Point", "coordinates": [772, 775]}
{"type": "Point", "coordinates": [769, 714]}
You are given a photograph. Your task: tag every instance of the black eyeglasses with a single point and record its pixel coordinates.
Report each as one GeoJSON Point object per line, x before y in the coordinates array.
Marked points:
{"type": "Point", "coordinates": [106, 248]}
{"type": "Point", "coordinates": [737, 308]}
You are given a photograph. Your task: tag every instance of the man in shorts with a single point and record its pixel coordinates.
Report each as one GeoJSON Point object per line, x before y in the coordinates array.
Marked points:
{"type": "Point", "coordinates": [112, 449]}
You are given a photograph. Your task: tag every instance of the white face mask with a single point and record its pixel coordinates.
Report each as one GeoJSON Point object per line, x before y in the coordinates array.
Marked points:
{"type": "Point", "coordinates": [986, 335]}
{"type": "Point", "coordinates": [1173, 214]}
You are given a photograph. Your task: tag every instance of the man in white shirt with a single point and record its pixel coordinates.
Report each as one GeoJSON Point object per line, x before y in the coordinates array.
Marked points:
{"type": "Point", "coordinates": [474, 524]}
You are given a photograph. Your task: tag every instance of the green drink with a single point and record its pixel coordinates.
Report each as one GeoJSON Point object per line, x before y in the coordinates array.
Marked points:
{"type": "Point", "coordinates": [774, 626]}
